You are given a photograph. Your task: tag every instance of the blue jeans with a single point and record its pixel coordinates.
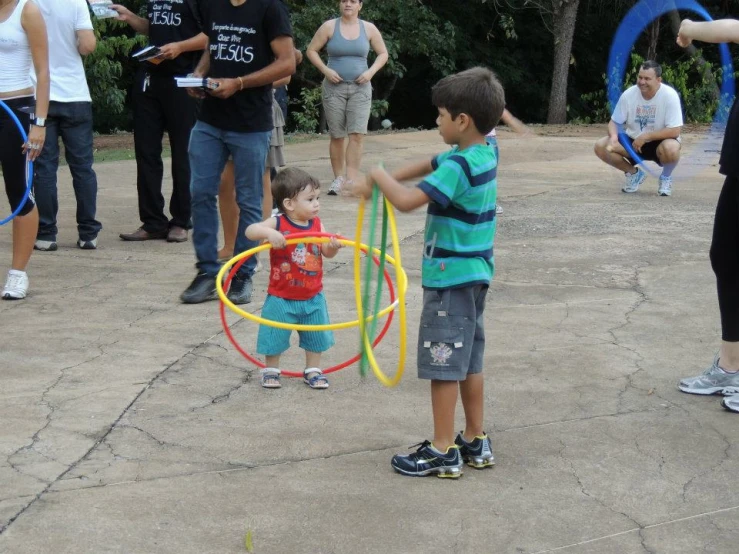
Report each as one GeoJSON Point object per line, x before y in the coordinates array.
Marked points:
{"type": "Point", "coordinates": [209, 150]}
{"type": "Point", "coordinates": [72, 121]}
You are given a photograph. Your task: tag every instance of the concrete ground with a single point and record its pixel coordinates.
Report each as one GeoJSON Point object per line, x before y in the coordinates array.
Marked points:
{"type": "Point", "coordinates": [130, 425]}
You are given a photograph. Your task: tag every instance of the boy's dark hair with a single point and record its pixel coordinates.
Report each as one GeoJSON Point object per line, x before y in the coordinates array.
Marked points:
{"type": "Point", "coordinates": [476, 92]}
{"type": "Point", "coordinates": [288, 184]}
{"type": "Point", "coordinates": [651, 64]}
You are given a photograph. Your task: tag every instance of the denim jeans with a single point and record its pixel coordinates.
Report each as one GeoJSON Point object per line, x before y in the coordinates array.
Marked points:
{"type": "Point", "coordinates": [72, 121]}
{"type": "Point", "coordinates": [209, 150]}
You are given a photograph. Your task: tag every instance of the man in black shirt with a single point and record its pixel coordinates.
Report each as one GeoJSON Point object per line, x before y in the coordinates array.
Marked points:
{"type": "Point", "coordinates": [722, 377]}
{"type": "Point", "coordinates": [158, 106]}
{"type": "Point", "coordinates": [250, 47]}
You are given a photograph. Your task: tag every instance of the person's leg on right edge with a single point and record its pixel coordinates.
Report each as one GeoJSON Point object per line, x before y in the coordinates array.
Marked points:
{"type": "Point", "coordinates": [249, 152]}
{"type": "Point", "coordinates": [148, 132]}
{"type": "Point", "coordinates": [45, 183]}
{"type": "Point", "coordinates": [722, 377]}
{"type": "Point", "coordinates": [76, 132]}
{"type": "Point", "coordinates": [179, 113]}
{"type": "Point", "coordinates": [208, 154]}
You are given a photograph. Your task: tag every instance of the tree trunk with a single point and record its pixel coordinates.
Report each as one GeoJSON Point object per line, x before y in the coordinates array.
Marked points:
{"type": "Point", "coordinates": [564, 15]}
{"type": "Point", "coordinates": [654, 29]}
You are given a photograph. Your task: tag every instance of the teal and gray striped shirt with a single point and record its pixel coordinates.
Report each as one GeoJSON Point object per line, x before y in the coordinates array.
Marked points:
{"type": "Point", "coordinates": [460, 222]}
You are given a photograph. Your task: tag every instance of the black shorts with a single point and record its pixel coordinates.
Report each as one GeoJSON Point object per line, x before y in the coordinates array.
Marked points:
{"type": "Point", "coordinates": [648, 151]}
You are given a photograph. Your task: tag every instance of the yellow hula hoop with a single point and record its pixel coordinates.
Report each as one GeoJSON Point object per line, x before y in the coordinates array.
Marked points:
{"type": "Point", "coordinates": [402, 286]}
{"type": "Point", "coordinates": [401, 278]}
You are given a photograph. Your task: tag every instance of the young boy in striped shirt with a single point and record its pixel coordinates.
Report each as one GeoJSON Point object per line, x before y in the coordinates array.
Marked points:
{"type": "Point", "coordinates": [460, 190]}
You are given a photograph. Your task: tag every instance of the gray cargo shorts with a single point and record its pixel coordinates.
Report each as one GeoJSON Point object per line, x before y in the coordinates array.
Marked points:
{"type": "Point", "coordinates": [347, 107]}
{"type": "Point", "coordinates": [451, 337]}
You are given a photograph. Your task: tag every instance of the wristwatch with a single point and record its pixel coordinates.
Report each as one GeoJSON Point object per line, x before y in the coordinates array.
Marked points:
{"type": "Point", "coordinates": [39, 121]}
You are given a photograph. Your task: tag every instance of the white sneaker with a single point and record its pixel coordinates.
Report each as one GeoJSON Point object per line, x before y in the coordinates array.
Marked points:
{"type": "Point", "coordinates": [45, 245]}
{"type": "Point", "coordinates": [336, 185]}
{"type": "Point", "coordinates": [665, 186]}
{"type": "Point", "coordinates": [498, 209]}
{"type": "Point", "coordinates": [634, 180]}
{"type": "Point", "coordinates": [16, 285]}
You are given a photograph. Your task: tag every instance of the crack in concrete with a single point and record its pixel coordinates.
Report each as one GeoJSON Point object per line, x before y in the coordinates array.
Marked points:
{"type": "Point", "coordinates": [583, 490]}
{"type": "Point", "coordinates": [727, 447]}
{"type": "Point", "coordinates": [98, 441]}
{"type": "Point", "coordinates": [51, 409]}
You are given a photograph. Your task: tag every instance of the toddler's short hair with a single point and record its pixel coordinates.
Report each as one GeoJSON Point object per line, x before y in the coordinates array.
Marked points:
{"type": "Point", "coordinates": [289, 182]}
{"type": "Point", "coordinates": [476, 92]}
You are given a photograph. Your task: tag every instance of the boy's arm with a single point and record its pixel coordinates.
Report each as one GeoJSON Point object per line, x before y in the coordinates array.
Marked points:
{"type": "Point", "coordinates": [404, 198]}
{"type": "Point", "coordinates": [137, 23]}
{"type": "Point", "coordinates": [266, 230]}
{"type": "Point", "coordinates": [723, 30]}
{"type": "Point", "coordinates": [413, 171]}
{"type": "Point", "coordinates": [514, 123]}
{"type": "Point", "coordinates": [173, 49]}
{"type": "Point", "coordinates": [330, 249]}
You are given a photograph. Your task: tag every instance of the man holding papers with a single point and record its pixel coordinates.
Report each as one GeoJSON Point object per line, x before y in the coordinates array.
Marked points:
{"type": "Point", "coordinates": [250, 47]}
{"type": "Point", "coordinates": [173, 26]}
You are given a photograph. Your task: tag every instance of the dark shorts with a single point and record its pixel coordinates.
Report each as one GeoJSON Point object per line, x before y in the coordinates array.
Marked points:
{"type": "Point", "coordinates": [451, 337]}
{"type": "Point", "coordinates": [648, 151]}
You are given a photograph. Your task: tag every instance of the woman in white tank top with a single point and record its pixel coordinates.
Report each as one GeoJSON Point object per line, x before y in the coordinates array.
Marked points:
{"type": "Point", "coordinates": [23, 42]}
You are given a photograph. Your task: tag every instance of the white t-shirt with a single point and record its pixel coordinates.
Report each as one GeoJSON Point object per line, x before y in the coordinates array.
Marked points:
{"type": "Point", "coordinates": [63, 19]}
{"type": "Point", "coordinates": [639, 116]}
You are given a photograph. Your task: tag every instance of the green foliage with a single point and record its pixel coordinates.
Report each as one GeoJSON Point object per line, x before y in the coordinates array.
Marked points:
{"type": "Point", "coordinates": [307, 119]}
{"type": "Point", "coordinates": [109, 73]}
{"type": "Point", "coordinates": [379, 108]}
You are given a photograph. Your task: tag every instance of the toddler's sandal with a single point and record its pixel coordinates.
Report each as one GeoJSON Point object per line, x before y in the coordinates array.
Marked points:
{"type": "Point", "coordinates": [271, 378]}
{"type": "Point", "coordinates": [313, 377]}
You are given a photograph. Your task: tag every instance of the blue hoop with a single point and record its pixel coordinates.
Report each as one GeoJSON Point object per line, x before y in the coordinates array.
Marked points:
{"type": "Point", "coordinates": [631, 27]}
{"type": "Point", "coordinates": [29, 166]}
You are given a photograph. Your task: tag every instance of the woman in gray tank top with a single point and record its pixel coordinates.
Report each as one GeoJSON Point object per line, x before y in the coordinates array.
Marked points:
{"type": "Point", "coordinates": [347, 92]}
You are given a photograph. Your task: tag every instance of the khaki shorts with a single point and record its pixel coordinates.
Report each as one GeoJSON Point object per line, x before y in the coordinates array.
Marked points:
{"type": "Point", "coordinates": [347, 107]}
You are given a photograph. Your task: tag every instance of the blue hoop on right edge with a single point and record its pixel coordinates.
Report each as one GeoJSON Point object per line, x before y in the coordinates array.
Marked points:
{"type": "Point", "coordinates": [29, 165]}
{"type": "Point", "coordinates": [629, 30]}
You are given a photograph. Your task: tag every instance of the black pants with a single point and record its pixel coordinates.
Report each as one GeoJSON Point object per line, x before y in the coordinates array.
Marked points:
{"type": "Point", "coordinates": [159, 106]}
{"type": "Point", "coordinates": [725, 257]}
{"type": "Point", "coordinates": [12, 158]}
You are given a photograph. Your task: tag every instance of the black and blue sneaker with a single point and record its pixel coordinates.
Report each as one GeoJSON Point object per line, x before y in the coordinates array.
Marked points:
{"type": "Point", "coordinates": [478, 453]}
{"type": "Point", "coordinates": [427, 460]}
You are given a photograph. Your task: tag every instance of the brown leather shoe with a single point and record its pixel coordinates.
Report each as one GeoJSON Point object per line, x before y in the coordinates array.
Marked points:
{"type": "Point", "coordinates": [140, 234]}
{"type": "Point", "coordinates": [177, 234]}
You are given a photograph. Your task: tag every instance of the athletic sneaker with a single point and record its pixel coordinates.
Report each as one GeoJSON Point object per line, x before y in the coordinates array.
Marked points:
{"type": "Point", "coordinates": [665, 186]}
{"type": "Point", "coordinates": [731, 403]}
{"type": "Point", "coordinates": [45, 245]}
{"type": "Point", "coordinates": [712, 381]}
{"type": "Point", "coordinates": [478, 453]}
{"type": "Point", "coordinates": [16, 285]}
{"type": "Point", "coordinates": [634, 180]}
{"type": "Point", "coordinates": [336, 185]}
{"type": "Point", "coordinates": [88, 244]}
{"type": "Point", "coordinates": [427, 461]}
{"type": "Point", "coordinates": [240, 290]}
{"type": "Point", "coordinates": [498, 209]}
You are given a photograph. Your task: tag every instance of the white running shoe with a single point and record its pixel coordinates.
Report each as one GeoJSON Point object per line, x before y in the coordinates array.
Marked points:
{"type": "Point", "coordinates": [634, 180]}
{"type": "Point", "coordinates": [16, 285]}
{"type": "Point", "coordinates": [498, 209]}
{"type": "Point", "coordinates": [45, 245]}
{"type": "Point", "coordinates": [336, 185]}
{"type": "Point", "coordinates": [665, 186]}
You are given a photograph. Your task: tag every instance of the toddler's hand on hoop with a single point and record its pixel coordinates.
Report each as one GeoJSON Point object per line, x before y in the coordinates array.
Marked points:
{"type": "Point", "coordinates": [276, 239]}
{"type": "Point", "coordinates": [334, 243]}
